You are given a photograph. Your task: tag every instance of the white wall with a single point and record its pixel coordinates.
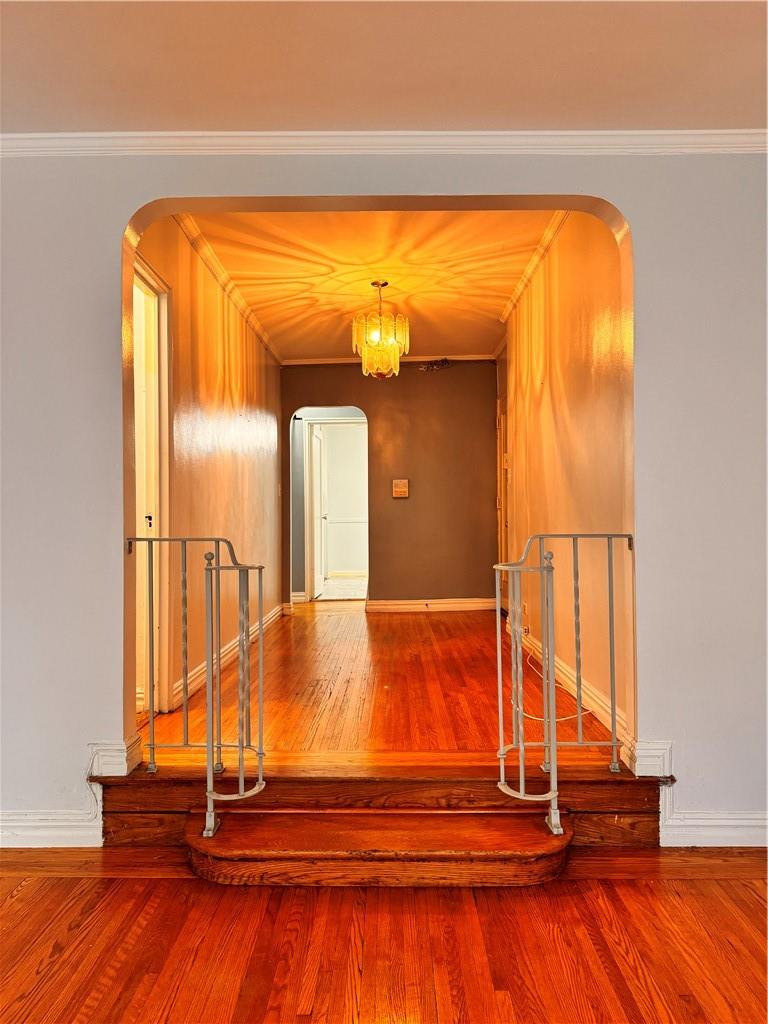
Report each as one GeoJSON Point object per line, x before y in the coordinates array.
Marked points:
{"type": "Point", "coordinates": [698, 226]}
{"type": "Point", "coordinates": [346, 466]}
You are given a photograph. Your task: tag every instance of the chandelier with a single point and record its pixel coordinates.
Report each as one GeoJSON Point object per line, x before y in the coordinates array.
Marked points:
{"type": "Point", "coordinates": [380, 339]}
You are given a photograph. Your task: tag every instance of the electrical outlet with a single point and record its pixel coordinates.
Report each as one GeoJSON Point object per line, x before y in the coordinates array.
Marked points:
{"type": "Point", "coordinates": [526, 630]}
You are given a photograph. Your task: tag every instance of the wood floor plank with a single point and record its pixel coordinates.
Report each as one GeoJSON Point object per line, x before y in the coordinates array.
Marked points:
{"type": "Point", "coordinates": [383, 683]}
{"type": "Point", "coordinates": [172, 950]}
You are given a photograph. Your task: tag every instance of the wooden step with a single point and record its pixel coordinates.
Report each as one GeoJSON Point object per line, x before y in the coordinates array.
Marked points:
{"type": "Point", "coordinates": [379, 848]}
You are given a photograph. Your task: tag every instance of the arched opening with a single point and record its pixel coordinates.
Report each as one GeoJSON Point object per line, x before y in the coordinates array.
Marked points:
{"type": "Point", "coordinates": [530, 435]}
{"type": "Point", "coordinates": [329, 504]}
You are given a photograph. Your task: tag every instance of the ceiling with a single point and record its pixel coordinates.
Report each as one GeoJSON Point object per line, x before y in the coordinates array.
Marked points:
{"type": "Point", "coordinates": [305, 275]}
{"type": "Point", "coordinates": [99, 67]}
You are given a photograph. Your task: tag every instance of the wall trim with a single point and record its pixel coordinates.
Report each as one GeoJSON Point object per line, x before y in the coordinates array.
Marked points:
{"type": "Point", "coordinates": [441, 604]}
{"type": "Point", "coordinates": [191, 231]}
{"type": "Point", "coordinates": [471, 357]}
{"type": "Point", "coordinates": [228, 655]}
{"type": "Point", "coordinates": [51, 828]}
{"type": "Point", "coordinates": [559, 217]}
{"type": "Point", "coordinates": [115, 758]}
{"type": "Point", "coordinates": [592, 698]}
{"type": "Point", "coordinates": [298, 597]}
{"type": "Point", "coordinates": [513, 143]}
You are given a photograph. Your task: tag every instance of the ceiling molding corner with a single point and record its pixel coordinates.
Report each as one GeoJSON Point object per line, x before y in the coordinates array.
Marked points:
{"type": "Point", "coordinates": [559, 217]}
{"type": "Point", "coordinates": [204, 250]}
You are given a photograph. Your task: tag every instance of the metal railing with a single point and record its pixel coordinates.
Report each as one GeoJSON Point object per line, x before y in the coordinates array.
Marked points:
{"type": "Point", "coordinates": [214, 744]}
{"type": "Point", "coordinates": [550, 744]}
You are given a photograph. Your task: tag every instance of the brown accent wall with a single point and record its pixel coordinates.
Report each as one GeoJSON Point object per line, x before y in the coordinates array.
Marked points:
{"type": "Point", "coordinates": [438, 430]}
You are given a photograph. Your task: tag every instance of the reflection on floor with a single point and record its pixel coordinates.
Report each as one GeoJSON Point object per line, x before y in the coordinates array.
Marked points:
{"type": "Point", "coordinates": [344, 588]}
{"type": "Point", "coordinates": [340, 680]}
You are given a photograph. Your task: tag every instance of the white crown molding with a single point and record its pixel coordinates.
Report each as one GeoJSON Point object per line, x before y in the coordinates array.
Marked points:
{"type": "Point", "coordinates": [500, 143]}
{"type": "Point", "coordinates": [559, 217]}
{"type": "Point", "coordinates": [191, 231]}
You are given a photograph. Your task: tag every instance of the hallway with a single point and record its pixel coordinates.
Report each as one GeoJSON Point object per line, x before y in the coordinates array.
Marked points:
{"type": "Point", "coordinates": [340, 680]}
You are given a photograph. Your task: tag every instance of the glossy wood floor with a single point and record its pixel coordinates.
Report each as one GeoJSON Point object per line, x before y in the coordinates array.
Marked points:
{"type": "Point", "coordinates": [340, 680]}
{"type": "Point", "coordinates": [120, 936]}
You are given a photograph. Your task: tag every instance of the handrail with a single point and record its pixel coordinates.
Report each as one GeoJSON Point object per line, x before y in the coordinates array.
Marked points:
{"type": "Point", "coordinates": [235, 564]}
{"type": "Point", "coordinates": [545, 570]}
{"type": "Point", "coordinates": [563, 536]}
{"type": "Point", "coordinates": [214, 744]}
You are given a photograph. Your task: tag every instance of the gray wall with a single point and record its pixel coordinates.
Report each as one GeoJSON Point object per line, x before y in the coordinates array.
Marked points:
{"type": "Point", "coordinates": [698, 230]}
{"type": "Point", "coordinates": [297, 531]}
{"type": "Point", "coordinates": [438, 429]}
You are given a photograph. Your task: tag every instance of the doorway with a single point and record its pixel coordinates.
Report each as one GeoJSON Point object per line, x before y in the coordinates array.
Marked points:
{"type": "Point", "coordinates": [329, 504]}
{"type": "Point", "coordinates": [150, 369]}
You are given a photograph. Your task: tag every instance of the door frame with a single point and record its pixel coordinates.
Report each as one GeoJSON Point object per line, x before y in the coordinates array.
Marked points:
{"type": "Point", "coordinates": [309, 532]}
{"type": "Point", "coordinates": [154, 283]}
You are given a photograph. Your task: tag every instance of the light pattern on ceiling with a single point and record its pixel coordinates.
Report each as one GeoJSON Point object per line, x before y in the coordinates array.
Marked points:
{"type": "Point", "coordinates": [305, 275]}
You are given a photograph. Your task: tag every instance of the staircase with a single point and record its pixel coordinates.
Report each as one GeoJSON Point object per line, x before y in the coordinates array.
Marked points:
{"type": "Point", "coordinates": [407, 822]}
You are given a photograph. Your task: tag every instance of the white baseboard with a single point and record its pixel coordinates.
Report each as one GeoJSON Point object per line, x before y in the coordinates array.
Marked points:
{"type": "Point", "coordinates": [592, 698]}
{"type": "Point", "coordinates": [442, 604]}
{"type": "Point", "coordinates": [115, 758]}
{"type": "Point", "coordinates": [288, 608]}
{"type": "Point", "coordinates": [705, 828]}
{"type": "Point", "coordinates": [229, 651]}
{"type": "Point", "coordinates": [654, 758]}
{"type": "Point", "coordinates": [298, 597]}
{"type": "Point", "coordinates": [693, 828]}
{"type": "Point", "coordinates": [650, 757]}
{"type": "Point", "coordinates": [77, 827]}
{"type": "Point", "coordinates": [51, 828]}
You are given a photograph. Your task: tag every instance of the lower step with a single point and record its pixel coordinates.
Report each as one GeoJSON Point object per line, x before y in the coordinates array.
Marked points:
{"type": "Point", "coordinates": [380, 848]}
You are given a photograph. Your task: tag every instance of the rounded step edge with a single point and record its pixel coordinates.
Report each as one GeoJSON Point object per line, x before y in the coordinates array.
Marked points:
{"type": "Point", "coordinates": [225, 865]}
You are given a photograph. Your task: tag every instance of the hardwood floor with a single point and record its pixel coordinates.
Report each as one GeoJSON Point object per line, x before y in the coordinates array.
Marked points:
{"type": "Point", "coordinates": [340, 680]}
{"type": "Point", "coordinates": [122, 936]}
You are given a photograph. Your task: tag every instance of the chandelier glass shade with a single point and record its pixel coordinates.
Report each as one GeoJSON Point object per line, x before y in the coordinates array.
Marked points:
{"type": "Point", "coordinates": [380, 339]}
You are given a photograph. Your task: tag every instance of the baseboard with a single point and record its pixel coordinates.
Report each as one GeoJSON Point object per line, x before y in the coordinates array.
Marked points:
{"type": "Point", "coordinates": [347, 576]}
{"type": "Point", "coordinates": [693, 828]}
{"type": "Point", "coordinates": [51, 828]}
{"type": "Point", "coordinates": [705, 828]}
{"type": "Point", "coordinates": [229, 653]}
{"type": "Point", "coordinates": [115, 758]}
{"type": "Point", "coordinates": [298, 597]}
{"type": "Point", "coordinates": [442, 604]}
{"type": "Point", "coordinates": [288, 608]}
{"type": "Point", "coordinates": [650, 757]}
{"type": "Point", "coordinates": [592, 698]}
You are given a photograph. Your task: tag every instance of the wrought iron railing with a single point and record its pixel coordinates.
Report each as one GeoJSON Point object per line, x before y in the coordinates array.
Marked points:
{"type": "Point", "coordinates": [214, 744]}
{"type": "Point", "coordinates": [544, 572]}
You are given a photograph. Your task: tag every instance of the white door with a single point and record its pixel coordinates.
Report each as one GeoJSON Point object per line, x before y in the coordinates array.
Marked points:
{"type": "Point", "coordinates": [346, 469]}
{"type": "Point", "coordinates": [319, 509]}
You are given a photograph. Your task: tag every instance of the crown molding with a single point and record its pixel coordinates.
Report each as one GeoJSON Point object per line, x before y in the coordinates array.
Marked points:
{"type": "Point", "coordinates": [513, 143]}
{"type": "Point", "coordinates": [355, 360]}
{"type": "Point", "coordinates": [205, 251]}
{"type": "Point", "coordinates": [559, 217]}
